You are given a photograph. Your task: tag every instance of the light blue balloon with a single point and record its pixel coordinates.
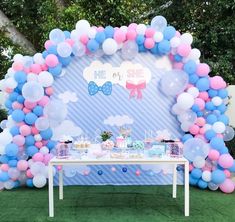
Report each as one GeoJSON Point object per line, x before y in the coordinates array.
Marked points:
{"type": "Point", "coordinates": [159, 23]}
{"type": "Point", "coordinates": [57, 36]}
{"type": "Point", "coordinates": [218, 176]}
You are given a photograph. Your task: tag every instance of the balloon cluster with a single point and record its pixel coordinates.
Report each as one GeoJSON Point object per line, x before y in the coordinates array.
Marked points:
{"type": "Point", "coordinates": [26, 145]}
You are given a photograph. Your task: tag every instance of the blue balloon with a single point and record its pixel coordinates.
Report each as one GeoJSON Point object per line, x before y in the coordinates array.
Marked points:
{"type": "Point", "coordinates": [210, 134]}
{"type": "Point", "coordinates": [38, 110]}
{"type": "Point", "coordinates": [4, 159]}
{"type": "Point", "coordinates": [13, 96]}
{"type": "Point", "coordinates": [52, 50]}
{"type": "Point", "coordinates": [223, 118]}
{"type": "Point", "coordinates": [232, 168]}
{"type": "Point", "coordinates": [202, 184]}
{"type": "Point", "coordinates": [222, 108]}
{"type": "Point", "coordinates": [217, 143]}
{"type": "Point", "coordinates": [178, 58]}
{"type": "Point", "coordinates": [212, 92]}
{"type": "Point", "coordinates": [196, 173]}
{"type": "Point", "coordinates": [124, 169]}
{"type": "Point", "coordinates": [31, 150]}
{"type": "Point", "coordinates": [200, 114]}
{"type": "Point", "coordinates": [12, 163]}
{"type": "Point", "coordinates": [186, 137]}
{"type": "Point", "coordinates": [169, 32]}
{"type": "Point", "coordinates": [218, 176]}
{"type": "Point", "coordinates": [211, 119]}
{"type": "Point", "coordinates": [11, 149]}
{"type": "Point", "coordinates": [16, 184]}
{"type": "Point", "coordinates": [4, 176]}
{"type": "Point", "coordinates": [46, 134]}
{"type": "Point", "coordinates": [45, 54]}
{"type": "Point", "coordinates": [18, 115]}
{"type": "Point", "coordinates": [109, 31]}
{"type": "Point", "coordinates": [142, 48]}
{"type": "Point", "coordinates": [29, 182]}
{"type": "Point", "coordinates": [29, 140]}
{"type": "Point", "coordinates": [51, 144]}
{"type": "Point", "coordinates": [223, 93]}
{"type": "Point", "coordinates": [30, 118]}
{"type": "Point", "coordinates": [190, 67]}
{"type": "Point", "coordinates": [14, 130]}
{"type": "Point", "coordinates": [192, 181]}
{"type": "Point", "coordinates": [193, 78]}
{"type": "Point", "coordinates": [100, 37]}
{"type": "Point", "coordinates": [92, 45]}
{"type": "Point", "coordinates": [154, 50]}
{"type": "Point", "coordinates": [8, 104]}
{"type": "Point", "coordinates": [20, 99]}
{"type": "Point", "coordinates": [65, 61]}
{"type": "Point", "coordinates": [195, 108]}
{"type": "Point", "coordinates": [224, 150]}
{"type": "Point", "coordinates": [20, 77]}
{"type": "Point", "coordinates": [209, 106]}
{"type": "Point", "coordinates": [19, 87]}
{"type": "Point", "coordinates": [100, 172]}
{"type": "Point", "coordinates": [203, 84]}
{"type": "Point", "coordinates": [56, 71]}
{"type": "Point", "coordinates": [164, 47]}
{"type": "Point", "coordinates": [140, 39]}
{"type": "Point", "coordinates": [67, 34]}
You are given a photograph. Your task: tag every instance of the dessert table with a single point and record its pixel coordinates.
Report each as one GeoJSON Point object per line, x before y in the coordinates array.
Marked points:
{"type": "Point", "coordinates": [73, 160]}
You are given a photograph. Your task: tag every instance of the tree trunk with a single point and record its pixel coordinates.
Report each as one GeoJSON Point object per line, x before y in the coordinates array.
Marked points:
{"type": "Point", "coordinates": [12, 33]}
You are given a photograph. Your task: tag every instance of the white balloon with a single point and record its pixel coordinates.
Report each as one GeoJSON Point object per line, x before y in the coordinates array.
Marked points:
{"type": "Point", "coordinates": [28, 61]}
{"type": "Point", "coordinates": [64, 49]}
{"type": "Point", "coordinates": [37, 137]}
{"type": "Point", "coordinates": [9, 184]}
{"type": "Point", "coordinates": [45, 79]}
{"type": "Point", "coordinates": [13, 173]}
{"type": "Point", "coordinates": [159, 23]}
{"type": "Point", "coordinates": [219, 127]}
{"type": "Point", "coordinates": [32, 77]}
{"type": "Point", "coordinates": [18, 58]}
{"type": "Point", "coordinates": [32, 91]}
{"type": "Point", "coordinates": [141, 28]}
{"type": "Point", "coordinates": [42, 123]}
{"type": "Point", "coordinates": [129, 50]}
{"type": "Point", "coordinates": [38, 58]}
{"type": "Point", "coordinates": [199, 162]}
{"type": "Point", "coordinates": [185, 101]}
{"type": "Point", "coordinates": [207, 126]}
{"type": "Point", "coordinates": [39, 181]}
{"type": "Point", "coordinates": [124, 28]}
{"type": "Point", "coordinates": [10, 83]}
{"type": "Point", "coordinates": [79, 49]}
{"type": "Point", "coordinates": [92, 33]}
{"type": "Point", "coordinates": [185, 126]}
{"type": "Point", "coordinates": [37, 168]}
{"type": "Point", "coordinates": [193, 91]}
{"type": "Point", "coordinates": [217, 101]}
{"type": "Point", "coordinates": [109, 46]}
{"type": "Point", "coordinates": [158, 37]}
{"type": "Point", "coordinates": [175, 42]}
{"type": "Point", "coordinates": [176, 109]}
{"type": "Point", "coordinates": [206, 175]}
{"type": "Point", "coordinates": [5, 138]}
{"type": "Point", "coordinates": [56, 36]}
{"type": "Point", "coordinates": [75, 35]}
{"type": "Point", "coordinates": [186, 38]}
{"type": "Point", "coordinates": [44, 150]}
{"type": "Point", "coordinates": [83, 26]}
{"type": "Point", "coordinates": [194, 54]}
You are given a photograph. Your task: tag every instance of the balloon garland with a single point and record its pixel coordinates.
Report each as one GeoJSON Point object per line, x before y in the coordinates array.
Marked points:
{"type": "Point", "coordinates": [26, 145]}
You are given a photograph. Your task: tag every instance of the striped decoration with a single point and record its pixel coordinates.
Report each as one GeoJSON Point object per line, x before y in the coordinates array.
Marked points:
{"type": "Point", "coordinates": [89, 112]}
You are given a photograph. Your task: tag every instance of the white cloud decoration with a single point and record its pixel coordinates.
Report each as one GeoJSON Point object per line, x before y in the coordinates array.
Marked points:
{"type": "Point", "coordinates": [68, 96]}
{"type": "Point", "coordinates": [67, 127]}
{"type": "Point", "coordinates": [164, 168]}
{"type": "Point", "coordinates": [118, 120]}
{"type": "Point", "coordinates": [71, 171]}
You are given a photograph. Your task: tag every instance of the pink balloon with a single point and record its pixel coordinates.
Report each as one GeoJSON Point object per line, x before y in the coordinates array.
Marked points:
{"type": "Point", "coordinates": [25, 110]}
{"type": "Point", "coordinates": [29, 105]}
{"type": "Point", "coordinates": [36, 68]}
{"type": "Point", "coordinates": [16, 105]}
{"type": "Point", "coordinates": [203, 95]}
{"type": "Point", "coordinates": [70, 42]}
{"type": "Point", "coordinates": [44, 67]}
{"type": "Point", "coordinates": [29, 174]}
{"type": "Point", "coordinates": [213, 155]}
{"type": "Point", "coordinates": [84, 39]}
{"type": "Point", "coordinates": [17, 66]}
{"type": "Point", "coordinates": [178, 65]}
{"type": "Point", "coordinates": [202, 131]}
{"type": "Point", "coordinates": [202, 69]}
{"type": "Point", "coordinates": [217, 82]}
{"type": "Point", "coordinates": [227, 173]}
{"type": "Point", "coordinates": [19, 140]}
{"type": "Point", "coordinates": [22, 165]}
{"type": "Point", "coordinates": [25, 130]}
{"type": "Point", "coordinates": [119, 36]}
{"type": "Point", "coordinates": [38, 157]}
{"type": "Point", "coordinates": [49, 91]}
{"type": "Point", "coordinates": [47, 158]}
{"type": "Point", "coordinates": [225, 161]}
{"type": "Point", "coordinates": [149, 33]}
{"type": "Point", "coordinates": [191, 167]}
{"type": "Point", "coordinates": [200, 121]}
{"type": "Point", "coordinates": [194, 129]}
{"type": "Point", "coordinates": [131, 34]}
{"type": "Point", "coordinates": [149, 43]}
{"type": "Point", "coordinates": [44, 100]}
{"type": "Point", "coordinates": [132, 26]}
{"type": "Point", "coordinates": [4, 167]}
{"type": "Point", "coordinates": [8, 90]}
{"type": "Point", "coordinates": [100, 29]}
{"type": "Point", "coordinates": [39, 144]}
{"type": "Point", "coordinates": [227, 186]}
{"type": "Point", "coordinates": [184, 50]}
{"type": "Point", "coordinates": [48, 44]}
{"type": "Point", "coordinates": [177, 34]}
{"type": "Point", "coordinates": [34, 130]}
{"type": "Point", "coordinates": [200, 103]}
{"type": "Point", "coordinates": [51, 60]}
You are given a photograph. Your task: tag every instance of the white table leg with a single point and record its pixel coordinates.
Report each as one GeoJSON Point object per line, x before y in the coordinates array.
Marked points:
{"type": "Point", "coordinates": [186, 189]}
{"type": "Point", "coordinates": [174, 181]}
{"type": "Point", "coordinates": [61, 193]}
{"type": "Point", "coordinates": [50, 187]}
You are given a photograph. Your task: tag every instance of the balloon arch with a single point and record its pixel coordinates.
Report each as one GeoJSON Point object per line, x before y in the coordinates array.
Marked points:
{"type": "Point", "coordinates": [26, 145]}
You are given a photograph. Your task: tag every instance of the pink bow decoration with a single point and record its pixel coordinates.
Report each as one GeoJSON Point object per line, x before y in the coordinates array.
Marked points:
{"type": "Point", "coordinates": [136, 89]}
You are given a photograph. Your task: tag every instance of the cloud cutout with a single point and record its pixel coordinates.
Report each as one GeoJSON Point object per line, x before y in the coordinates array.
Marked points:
{"type": "Point", "coordinates": [118, 120]}
{"type": "Point", "coordinates": [71, 171]}
{"type": "Point", "coordinates": [68, 96]}
{"type": "Point", "coordinates": [67, 127]}
{"type": "Point", "coordinates": [164, 168]}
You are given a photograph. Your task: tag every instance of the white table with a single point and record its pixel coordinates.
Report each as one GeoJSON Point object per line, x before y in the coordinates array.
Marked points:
{"type": "Point", "coordinates": [110, 161]}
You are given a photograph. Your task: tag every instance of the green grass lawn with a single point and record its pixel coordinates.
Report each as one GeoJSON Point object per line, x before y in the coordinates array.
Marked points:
{"type": "Point", "coordinates": [116, 204]}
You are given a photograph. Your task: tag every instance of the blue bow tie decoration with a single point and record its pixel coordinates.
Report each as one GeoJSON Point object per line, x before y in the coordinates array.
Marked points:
{"type": "Point", "coordinates": [106, 88]}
